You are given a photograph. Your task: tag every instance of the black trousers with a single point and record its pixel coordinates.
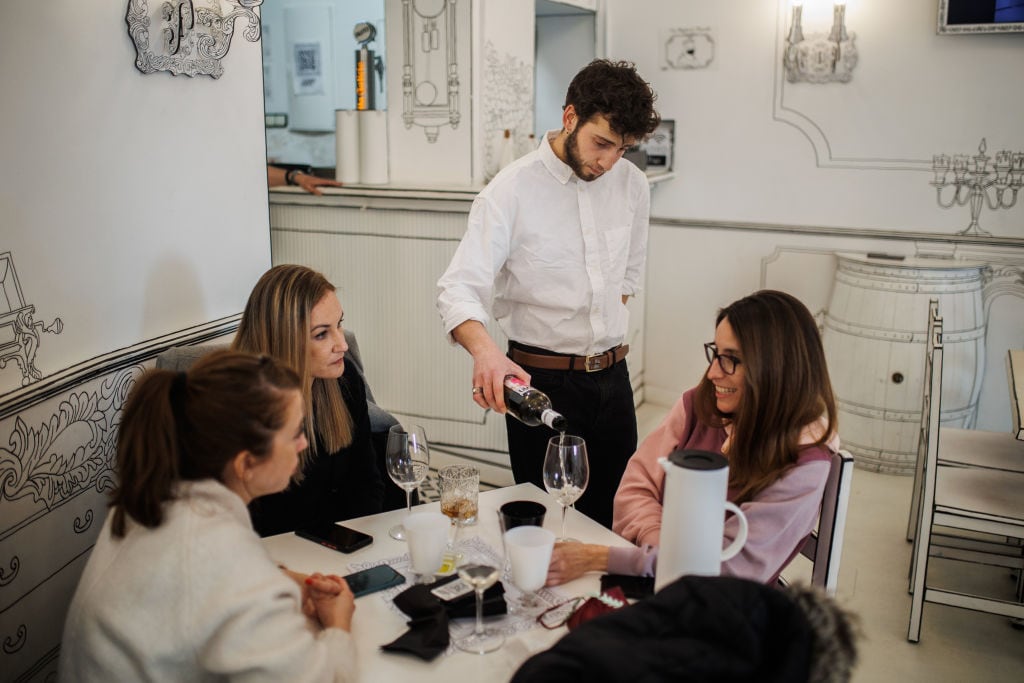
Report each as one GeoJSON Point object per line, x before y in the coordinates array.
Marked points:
{"type": "Point", "coordinates": [599, 408]}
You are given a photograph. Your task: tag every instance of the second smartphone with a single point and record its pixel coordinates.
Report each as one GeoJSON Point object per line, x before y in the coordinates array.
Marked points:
{"type": "Point", "coordinates": [336, 537]}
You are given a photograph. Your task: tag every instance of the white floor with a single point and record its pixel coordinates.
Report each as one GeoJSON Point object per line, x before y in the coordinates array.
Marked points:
{"type": "Point", "coordinates": [956, 645]}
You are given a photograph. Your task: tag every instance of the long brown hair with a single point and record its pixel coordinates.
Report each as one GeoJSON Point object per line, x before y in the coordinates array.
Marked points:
{"type": "Point", "coordinates": [180, 426]}
{"type": "Point", "coordinates": [786, 388]}
{"type": "Point", "coordinates": [276, 321]}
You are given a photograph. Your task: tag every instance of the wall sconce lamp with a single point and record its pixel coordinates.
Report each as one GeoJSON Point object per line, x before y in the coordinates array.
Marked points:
{"type": "Point", "coordinates": [820, 58]}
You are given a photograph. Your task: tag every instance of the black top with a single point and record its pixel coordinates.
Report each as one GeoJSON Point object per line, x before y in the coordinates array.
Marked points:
{"type": "Point", "coordinates": [337, 485]}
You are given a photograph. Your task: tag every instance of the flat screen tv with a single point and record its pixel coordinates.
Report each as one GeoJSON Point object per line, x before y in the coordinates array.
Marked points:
{"type": "Point", "coordinates": [981, 16]}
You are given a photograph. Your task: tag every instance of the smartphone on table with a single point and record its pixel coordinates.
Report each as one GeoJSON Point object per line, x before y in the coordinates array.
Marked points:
{"type": "Point", "coordinates": [366, 581]}
{"type": "Point", "coordinates": [336, 537]}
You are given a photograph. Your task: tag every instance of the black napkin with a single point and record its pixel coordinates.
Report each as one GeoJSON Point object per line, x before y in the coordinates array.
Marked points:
{"type": "Point", "coordinates": [427, 636]}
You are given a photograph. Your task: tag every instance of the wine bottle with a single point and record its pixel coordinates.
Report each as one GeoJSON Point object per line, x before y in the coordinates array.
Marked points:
{"type": "Point", "coordinates": [531, 406]}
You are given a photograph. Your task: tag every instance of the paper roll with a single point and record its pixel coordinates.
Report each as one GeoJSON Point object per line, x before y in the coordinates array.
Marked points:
{"type": "Point", "coordinates": [346, 143]}
{"type": "Point", "coordinates": [373, 146]}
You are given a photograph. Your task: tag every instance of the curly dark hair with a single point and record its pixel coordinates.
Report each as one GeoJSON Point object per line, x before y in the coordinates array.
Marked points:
{"type": "Point", "coordinates": [616, 90]}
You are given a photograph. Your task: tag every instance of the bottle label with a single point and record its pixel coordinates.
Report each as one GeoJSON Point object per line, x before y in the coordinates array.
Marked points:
{"type": "Point", "coordinates": [513, 383]}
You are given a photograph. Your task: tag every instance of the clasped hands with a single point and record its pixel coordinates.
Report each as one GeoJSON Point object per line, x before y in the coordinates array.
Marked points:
{"type": "Point", "coordinates": [326, 598]}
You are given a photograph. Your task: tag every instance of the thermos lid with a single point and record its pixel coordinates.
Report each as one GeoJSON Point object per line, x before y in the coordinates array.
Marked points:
{"type": "Point", "coordinates": [698, 460]}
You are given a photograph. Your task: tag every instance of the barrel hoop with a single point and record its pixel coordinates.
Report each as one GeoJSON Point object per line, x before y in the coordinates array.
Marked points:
{"type": "Point", "coordinates": [905, 336]}
{"type": "Point", "coordinates": [909, 286]}
{"type": "Point", "coordinates": [862, 449]}
{"type": "Point", "coordinates": [952, 274]}
{"type": "Point", "coordinates": [862, 410]}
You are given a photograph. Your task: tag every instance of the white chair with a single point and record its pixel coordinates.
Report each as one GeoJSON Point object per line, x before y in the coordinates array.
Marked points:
{"type": "Point", "coordinates": [965, 501]}
{"type": "Point", "coordinates": [824, 547]}
{"type": "Point", "coordinates": [960, 447]}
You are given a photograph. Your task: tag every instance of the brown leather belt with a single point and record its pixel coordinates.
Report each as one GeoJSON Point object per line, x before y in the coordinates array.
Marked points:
{"type": "Point", "coordinates": [591, 363]}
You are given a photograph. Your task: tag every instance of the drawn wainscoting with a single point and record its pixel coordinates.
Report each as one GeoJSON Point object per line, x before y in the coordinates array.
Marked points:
{"type": "Point", "coordinates": [58, 441]}
{"type": "Point", "coordinates": [56, 468]}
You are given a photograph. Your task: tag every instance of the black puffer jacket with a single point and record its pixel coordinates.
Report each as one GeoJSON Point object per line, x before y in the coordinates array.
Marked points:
{"type": "Point", "coordinates": [695, 629]}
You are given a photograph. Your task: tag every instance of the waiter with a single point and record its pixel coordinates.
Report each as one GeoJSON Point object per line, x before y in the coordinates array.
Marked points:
{"type": "Point", "coordinates": [556, 244]}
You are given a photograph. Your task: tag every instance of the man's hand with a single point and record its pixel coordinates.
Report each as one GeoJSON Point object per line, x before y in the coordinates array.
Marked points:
{"type": "Point", "coordinates": [490, 365]}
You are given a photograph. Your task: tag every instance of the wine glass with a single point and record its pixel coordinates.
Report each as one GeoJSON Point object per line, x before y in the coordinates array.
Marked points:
{"type": "Point", "coordinates": [481, 575]}
{"type": "Point", "coordinates": [566, 473]}
{"type": "Point", "coordinates": [408, 461]}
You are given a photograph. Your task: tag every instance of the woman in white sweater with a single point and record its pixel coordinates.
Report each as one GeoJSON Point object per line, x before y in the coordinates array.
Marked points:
{"type": "Point", "coordinates": [178, 586]}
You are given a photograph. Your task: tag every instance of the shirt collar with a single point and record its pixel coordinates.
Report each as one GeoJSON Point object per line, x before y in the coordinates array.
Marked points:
{"type": "Point", "coordinates": [555, 166]}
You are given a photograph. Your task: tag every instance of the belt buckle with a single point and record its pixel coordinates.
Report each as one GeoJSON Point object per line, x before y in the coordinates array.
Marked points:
{"type": "Point", "coordinates": [594, 362]}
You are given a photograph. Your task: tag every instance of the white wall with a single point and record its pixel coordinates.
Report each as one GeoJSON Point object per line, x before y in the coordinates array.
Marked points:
{"type": "Point", "coordinates": [127, 199]}
{"type": "Point", "coordinates": [744, 135]}
{"type": "Point", "coordinates": [133, 208]}
{"type": "Point", "coordinates": [834, 166]}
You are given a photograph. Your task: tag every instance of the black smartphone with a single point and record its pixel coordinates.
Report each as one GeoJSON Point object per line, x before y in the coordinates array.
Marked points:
{"type": "Point", "coordinates": [336, 537]}
{"type": "Point", "coordinates": [366, 581]}
{"type": "Point", "coordinates": [635, 587]}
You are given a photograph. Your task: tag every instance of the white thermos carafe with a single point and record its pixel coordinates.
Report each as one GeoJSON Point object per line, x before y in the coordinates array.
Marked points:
{"type": "Point", "coordinates": [693, 516]}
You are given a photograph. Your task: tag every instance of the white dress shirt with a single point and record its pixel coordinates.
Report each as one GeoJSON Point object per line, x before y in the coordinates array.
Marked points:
{"type": "Point", "coordinates": [555, 254]}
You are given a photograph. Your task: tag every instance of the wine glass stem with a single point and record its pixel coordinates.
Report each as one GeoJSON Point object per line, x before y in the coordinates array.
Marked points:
{"type": "Point", "coordinates": [479, 630]}
{"type": "Point", "coordinates": [408, 501]}
{"type": "Point", "coordinates": [565, 508]}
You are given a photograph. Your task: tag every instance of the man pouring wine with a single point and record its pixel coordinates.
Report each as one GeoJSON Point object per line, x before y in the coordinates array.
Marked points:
{"type": "Point", "coordinates": [556, 243]}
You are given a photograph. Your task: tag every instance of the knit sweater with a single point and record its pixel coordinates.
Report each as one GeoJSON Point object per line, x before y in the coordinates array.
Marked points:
{"type": "Point", "coordinates": [195, 599]}
{"type": "Point", "coordinates": [779, 517]}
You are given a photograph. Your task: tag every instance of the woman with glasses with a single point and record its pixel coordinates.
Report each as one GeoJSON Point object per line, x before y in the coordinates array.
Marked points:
{"type": "Point", "coordinates": [766, 404]}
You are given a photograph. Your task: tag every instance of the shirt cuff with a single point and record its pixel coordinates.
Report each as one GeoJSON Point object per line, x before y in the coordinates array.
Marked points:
{"type": "Point", "coordinates": [632, 561]}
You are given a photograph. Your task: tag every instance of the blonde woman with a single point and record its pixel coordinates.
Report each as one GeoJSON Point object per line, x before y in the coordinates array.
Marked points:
{"type": "Point", "coordinates": [294, 315]}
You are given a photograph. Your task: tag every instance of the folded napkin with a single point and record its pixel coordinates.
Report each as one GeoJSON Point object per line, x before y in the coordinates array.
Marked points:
{"type": "Point", "coordinates": [427, 636]}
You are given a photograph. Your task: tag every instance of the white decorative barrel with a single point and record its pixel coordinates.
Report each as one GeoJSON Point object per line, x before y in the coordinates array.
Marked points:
{"type": "Point", "coordinates": [874, 339]}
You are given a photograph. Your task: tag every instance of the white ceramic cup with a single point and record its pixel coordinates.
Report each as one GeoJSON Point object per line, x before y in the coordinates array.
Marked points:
{"type": "Point", "coordinates": [427, 536]}
{"type": "Point", "coordinates": [529, 554]}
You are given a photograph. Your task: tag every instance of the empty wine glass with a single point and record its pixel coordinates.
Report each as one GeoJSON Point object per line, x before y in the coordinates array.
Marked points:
{"type": "Point", "coordinates": [481, 575]}
{"type": "Point", "coordinates": [408, 461]}
{"type": "Point", "coordinates": [566, 472]}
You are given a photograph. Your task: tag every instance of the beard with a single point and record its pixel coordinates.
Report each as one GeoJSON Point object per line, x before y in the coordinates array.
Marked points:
{"type": "Point", "coordinates": [572, 158]}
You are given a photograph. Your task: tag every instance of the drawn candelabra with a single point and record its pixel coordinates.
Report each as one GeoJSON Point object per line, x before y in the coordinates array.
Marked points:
{"type": "Point", "coordinates": [977, 182]}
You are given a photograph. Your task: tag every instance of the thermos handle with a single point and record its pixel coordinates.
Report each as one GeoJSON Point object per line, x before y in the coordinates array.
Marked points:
{"type": "Point", "coordinates": [741, 538]}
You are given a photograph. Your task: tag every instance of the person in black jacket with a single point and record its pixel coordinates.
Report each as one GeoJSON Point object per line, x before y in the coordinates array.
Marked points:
{"type": "Point", "coordinates": [704, 629]}
{"type": "Point", "coordinates": [294, 315]}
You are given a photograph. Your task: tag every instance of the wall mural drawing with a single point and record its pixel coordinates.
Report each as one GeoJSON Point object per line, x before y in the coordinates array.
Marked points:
{"type": "Point", "coordinates": [507, 102]}
{"type": "Point", "coordinates": [49, 464]}
{"type": "Point", "coordinates": [20, 332]}
{"type": "Point", "coordinates": [42, 468]}
{"type": "Point", "coordinates": [429, 66]}
{"type": "Point", "coordinates": [194, 34]}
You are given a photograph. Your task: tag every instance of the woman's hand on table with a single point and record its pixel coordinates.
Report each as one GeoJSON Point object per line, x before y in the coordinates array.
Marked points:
{"type": "Point", "coordinates": [318, 588]}
{"type": "Point", "coordinates": [330, 600]}
{"type": "Point", "coordinates": [572, 560]}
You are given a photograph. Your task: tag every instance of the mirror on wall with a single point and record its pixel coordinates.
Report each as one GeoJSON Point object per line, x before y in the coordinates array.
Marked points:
{"type": "Point", "coordinates": [566, 41]}
{"type": "Point", "coordinates": [310, 52]}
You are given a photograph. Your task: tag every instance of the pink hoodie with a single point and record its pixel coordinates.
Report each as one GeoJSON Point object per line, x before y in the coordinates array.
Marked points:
{"type": "Point", "coordinates": [779, 518]}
